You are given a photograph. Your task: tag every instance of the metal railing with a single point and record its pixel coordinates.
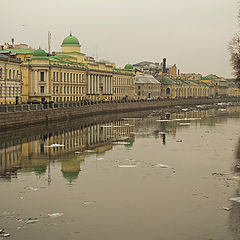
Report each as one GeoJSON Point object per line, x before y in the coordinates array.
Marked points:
{"type": "Point", "coordinates": [45, 106]}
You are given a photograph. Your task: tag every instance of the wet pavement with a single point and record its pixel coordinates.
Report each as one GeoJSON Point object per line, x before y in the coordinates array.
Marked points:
{"type": "Point", "coordinates": [167, 174]}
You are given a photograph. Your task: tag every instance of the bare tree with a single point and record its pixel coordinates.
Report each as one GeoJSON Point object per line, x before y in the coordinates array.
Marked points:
{"type": "Point", "coordinates": [234, 49]}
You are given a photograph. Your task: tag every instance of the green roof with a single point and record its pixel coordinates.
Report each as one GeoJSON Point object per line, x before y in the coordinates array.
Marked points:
{"type": "Point", "coordinates": [210, 77]}
{"type": "Point", "coordinates": [165, 80]}
{"type": "Point", "coordinates": [70, 40]}
{"type": "Point", "coordinates": [70, 175]}
{"type": "Point", "coordinates": [18, 50]}
{"type": "Point", "coordinates": [39, 53]}
{"type": "Point", "coordinates": [128, 67]}
{"type": "Point", "coordinates": [39, 169]}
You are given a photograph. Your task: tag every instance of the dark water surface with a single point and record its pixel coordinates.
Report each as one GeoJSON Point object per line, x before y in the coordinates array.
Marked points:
{"type": "Point", "coordinates": [150, 175]}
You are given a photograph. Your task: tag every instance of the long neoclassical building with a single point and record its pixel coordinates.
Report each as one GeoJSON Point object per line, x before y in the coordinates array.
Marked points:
{"type": "Point", "coordinates": [70, 75]}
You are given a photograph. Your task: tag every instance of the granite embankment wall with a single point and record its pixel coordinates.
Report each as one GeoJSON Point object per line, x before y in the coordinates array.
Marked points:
{"type": "Point", "coordinates": [10, 120]}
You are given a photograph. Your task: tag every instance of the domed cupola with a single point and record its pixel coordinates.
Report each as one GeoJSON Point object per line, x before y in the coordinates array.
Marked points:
{"type": "Point", "coordinates": [39, 53]}
{"type": "Point", "coordinates": [128, 67]}
{"type": "Point", "coordinates": [70, 44]}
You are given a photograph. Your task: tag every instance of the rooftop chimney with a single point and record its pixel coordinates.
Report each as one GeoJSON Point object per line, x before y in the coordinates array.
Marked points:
{"type": "Point", "coordinates": [164, 65]}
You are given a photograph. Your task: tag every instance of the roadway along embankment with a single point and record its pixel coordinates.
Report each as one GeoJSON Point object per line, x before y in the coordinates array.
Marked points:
{"type": "Point", "coordinates": [19, 119]}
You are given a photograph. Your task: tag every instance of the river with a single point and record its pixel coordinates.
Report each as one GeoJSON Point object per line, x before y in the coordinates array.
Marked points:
{"type": "Point", "coordinates": [164, 174]}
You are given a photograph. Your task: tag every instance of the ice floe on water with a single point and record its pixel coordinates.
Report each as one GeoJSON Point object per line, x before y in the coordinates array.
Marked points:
{"type": "Point", "coordinates": [235, 199]}
{"type": "Point", "coordinates": [162, 165]}
{"type": "Point", "coordinates": [121, 143]}
{"type": "Point", "coordinates": [184, 124]}
{"type": "Point", "coordinates": [55, 145]}
{"type": "Point", "coordinates": [127, 166]}
{"type": "Point", "coordinates": [55, 215]}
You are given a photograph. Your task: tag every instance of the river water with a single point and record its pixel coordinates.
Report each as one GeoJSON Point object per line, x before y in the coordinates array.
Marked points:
{"type": "Point", "coordinates": [166, 174]}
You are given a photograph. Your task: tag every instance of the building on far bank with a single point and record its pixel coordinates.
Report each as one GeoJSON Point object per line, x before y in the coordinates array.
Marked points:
{"type": "Point", "coordinates": [157, 69]}
{"type": "Point", "coordinates": [147, 87]}
{"type": "Point", "coordinates": [70, 75]}
{"type": "Point", "coordinates": [10, 79]}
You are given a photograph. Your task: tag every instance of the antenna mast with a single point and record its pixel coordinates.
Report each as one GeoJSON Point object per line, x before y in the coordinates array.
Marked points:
{"type": "Point", "coordinates": [49, 42]}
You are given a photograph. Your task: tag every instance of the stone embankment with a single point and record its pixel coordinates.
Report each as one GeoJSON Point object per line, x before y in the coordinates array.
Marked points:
{"type": "Point", "coordinates": [18, 119]}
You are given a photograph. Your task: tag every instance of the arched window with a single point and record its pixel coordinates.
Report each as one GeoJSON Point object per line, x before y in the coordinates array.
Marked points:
{"type": "Point", "coordinates": [168, 91]}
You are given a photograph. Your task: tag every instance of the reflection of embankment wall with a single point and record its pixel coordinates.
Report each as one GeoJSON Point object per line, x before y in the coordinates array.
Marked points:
{"type": "Point", "coordinates": [19, 119]}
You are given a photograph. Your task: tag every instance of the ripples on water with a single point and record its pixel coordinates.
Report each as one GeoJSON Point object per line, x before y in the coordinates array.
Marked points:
{"type": "Point", "coordinates": [163, 174]}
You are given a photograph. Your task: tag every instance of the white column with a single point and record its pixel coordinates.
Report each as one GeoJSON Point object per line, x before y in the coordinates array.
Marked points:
{"type": "Point", "coordinates": [104, 84]}
{"type": "Point", "coordinates": [88, 84]}
{"type": "Point", "coordinates": [31, 83]}
{"type": "Point", "coordinates": [111, 79]}
{"type": "Point", "coordinates": [36, 81]}
{"type": "Point", "coordinates": [95, 84]}
{"type": "Point", "coordinates": [47, 82]}
{"type": "Point", "coordinates": [98, 84]}
{"type": "Point", "coordinates": [109, 82]}
{"type": "Point", "coordinates": [91, 84]}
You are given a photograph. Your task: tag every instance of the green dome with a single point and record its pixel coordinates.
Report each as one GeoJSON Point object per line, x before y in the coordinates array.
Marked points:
{"type": "Point", "coordinates": [70, 176]}
{"type": "Point", "coordinates": [39, 169]}
{"type": "Point", "coordinates": [39, 53]}
{"type": "Point", "coordinates": [128, 67]}
{"type": "Point", "coordinates": [70, 40]}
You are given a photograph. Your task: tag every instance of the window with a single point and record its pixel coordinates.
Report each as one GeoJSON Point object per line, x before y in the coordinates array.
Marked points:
{"type": "Point", "coordinates": [54, 76]}
{"type": "Point", "coordinates": [68, 77]}
{"type": "Point", "coordinates": [139, 87]}
{"type": "Point", "coordinates": [64, 77]}
{"type": "Point", "coordinates": [42, 89]}
{"type": "Point", "coordinates": [168, 91]}
{"type": "Point", "coordinates": [9, 73]}
{"type": "Point", "coordinates": [42, 76]}
{"type": "Point", "coordinates": [1, 73]}
{"type": "Point", "coordinates": [14, 74]}
{"type": "Point", "coordinates": [57, 76]}
{"type": "Point", "coordinates": [17, 77]}
{"type": "Point", "coordinates": [60, 77]}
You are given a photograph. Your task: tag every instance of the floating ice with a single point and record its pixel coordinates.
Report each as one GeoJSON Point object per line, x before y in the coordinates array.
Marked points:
{"type": "Point", "coordinates": [32, 189]}
{"type": "Point", "coordinates": [235, 199]}
{"type": "Point", "coordinates": [55, 145]}
{"type": "Point", "coordinates": [89, 151]}
{"type": "Point", "coordinates": [55, 215]}
{"type": "Point", "coordinates": [163, 120]}
{"type": "Point", "coordinates": [31, 220]}
{"type": "Point", "coordinates": [227, 208]}
{"type": "Point", "coordinates": [127, 166]}
{"type": "Point", "coordinates": [121, 143]}
{"type": "Point", "coordinates": [89, 202]}
{"type": "Point", "coordinates": [162, 165]}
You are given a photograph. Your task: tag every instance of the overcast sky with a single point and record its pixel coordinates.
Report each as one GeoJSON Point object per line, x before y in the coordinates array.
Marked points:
{"type": "Point", "coordinates": [191, 33]}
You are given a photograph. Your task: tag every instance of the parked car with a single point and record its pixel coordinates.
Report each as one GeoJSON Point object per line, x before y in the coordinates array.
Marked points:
{"type": "Point", "coordinates": [34, 102]}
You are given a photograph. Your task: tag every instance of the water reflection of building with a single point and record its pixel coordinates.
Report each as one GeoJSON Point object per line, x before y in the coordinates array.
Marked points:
{"type": "Point", "coordinates": [10, 161]}
{"type": "Point", "coordinates": [69, 147]}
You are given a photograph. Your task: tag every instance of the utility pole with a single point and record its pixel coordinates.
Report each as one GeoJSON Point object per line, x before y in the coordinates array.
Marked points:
{"type": "Point", "coordinates": [49, 42]}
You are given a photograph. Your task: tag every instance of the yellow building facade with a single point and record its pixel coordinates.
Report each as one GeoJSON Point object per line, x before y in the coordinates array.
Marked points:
{"type": "Point", "coordinates": [10, 79]}
{"type": "Point", "coordinates": [70, 75]}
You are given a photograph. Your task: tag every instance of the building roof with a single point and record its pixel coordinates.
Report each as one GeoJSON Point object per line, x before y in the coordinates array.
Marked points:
{"type": "Point", "coordinates": [146, 78]}
{"type": "Point", "coordinates": [210, 77]}
{"type": "Point", "coordinates": [18, 51]}
{"type": "Point", "coordinates": [128, 67]}
{"type": "Point", "coordinates": [70, 40]}
{"type": "Point", "coordinates": [165, 80]}
{"type": "Point", "coordinates": [39, 53]}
